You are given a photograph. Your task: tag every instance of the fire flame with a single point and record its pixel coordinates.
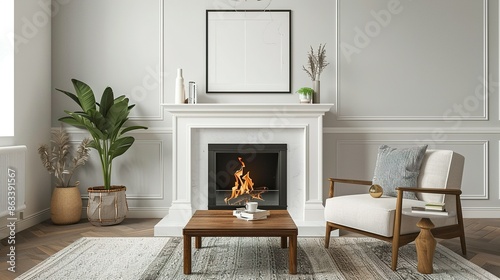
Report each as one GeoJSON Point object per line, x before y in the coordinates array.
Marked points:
{"type": "Point", "coordinates": [243, 187]}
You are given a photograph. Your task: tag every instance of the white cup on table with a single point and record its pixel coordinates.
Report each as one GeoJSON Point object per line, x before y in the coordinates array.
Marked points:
{"type": "Point", "coordinates": [251, 206]}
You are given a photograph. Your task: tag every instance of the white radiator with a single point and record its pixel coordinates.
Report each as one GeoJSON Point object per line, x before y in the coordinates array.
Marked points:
{"type": "Point", "coordinates": [12, 179]}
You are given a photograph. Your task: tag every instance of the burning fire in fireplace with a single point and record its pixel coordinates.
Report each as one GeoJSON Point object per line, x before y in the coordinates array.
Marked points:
{"type": "Point", "coordinates": [243, 189]}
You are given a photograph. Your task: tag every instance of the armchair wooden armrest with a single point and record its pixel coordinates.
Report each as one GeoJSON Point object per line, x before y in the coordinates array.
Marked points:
{"type": "Point", "coordinates": [346, 181]}
{"type": "Point", "coordinates": [430, 190]}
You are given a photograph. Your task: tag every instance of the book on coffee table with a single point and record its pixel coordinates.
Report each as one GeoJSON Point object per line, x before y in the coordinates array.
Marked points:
{"type": "Point", "coordinates": [255, 215]}
{"type": "Point", "coordinates": [247, 215]}
{"type": "Point", "coordinates": [238, 211]}
{"type": "Point", "coordinates": [251, 219]}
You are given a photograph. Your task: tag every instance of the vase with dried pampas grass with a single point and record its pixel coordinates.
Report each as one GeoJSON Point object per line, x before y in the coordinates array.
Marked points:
{"type": "Point", "coordinates": [316, 62]}
{"type": "Point", "coordinates": [66, 201]}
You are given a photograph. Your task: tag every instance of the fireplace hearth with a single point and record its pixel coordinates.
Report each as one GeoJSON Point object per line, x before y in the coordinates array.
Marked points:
{"type": "Point", "coordinates": [239, 173]}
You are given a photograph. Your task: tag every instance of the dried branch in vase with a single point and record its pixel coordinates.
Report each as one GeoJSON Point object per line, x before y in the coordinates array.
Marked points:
{"type": "Point", "coordinates": [316, 63]}
{"type": "Point", "coordinates": [55, 160]}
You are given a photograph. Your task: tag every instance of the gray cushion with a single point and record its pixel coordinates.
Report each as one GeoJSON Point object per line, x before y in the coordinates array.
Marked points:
{"type": "Point", "coordinates": [398, 168]}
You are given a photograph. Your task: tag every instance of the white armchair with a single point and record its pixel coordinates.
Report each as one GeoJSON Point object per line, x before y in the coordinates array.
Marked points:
{"type": "Point", "coordinates": [440, 179]}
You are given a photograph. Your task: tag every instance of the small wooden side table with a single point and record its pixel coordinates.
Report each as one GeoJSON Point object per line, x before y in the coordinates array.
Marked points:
{"type": "Point", "coordinates": [425, 241]}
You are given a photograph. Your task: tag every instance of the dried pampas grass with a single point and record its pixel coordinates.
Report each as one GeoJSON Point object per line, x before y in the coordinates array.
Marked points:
{"type": "Point", "coordinates": [316, 62]}
{"type": "Point", "coordinates": [56, 160]}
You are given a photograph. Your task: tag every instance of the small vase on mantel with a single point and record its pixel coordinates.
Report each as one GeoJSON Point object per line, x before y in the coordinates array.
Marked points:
{"type": "Point", "coordinates": [180, 92]}
{"type": "Point", "coordinates": [316, 88]}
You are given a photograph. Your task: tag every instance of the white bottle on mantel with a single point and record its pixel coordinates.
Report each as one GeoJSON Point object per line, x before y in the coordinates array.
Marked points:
{"type": "Point", "coordinates": [180, 93]}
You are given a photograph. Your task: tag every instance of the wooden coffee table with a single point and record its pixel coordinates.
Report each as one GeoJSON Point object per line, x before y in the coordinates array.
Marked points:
{"type": "Point", "coordinates": [222, 223]}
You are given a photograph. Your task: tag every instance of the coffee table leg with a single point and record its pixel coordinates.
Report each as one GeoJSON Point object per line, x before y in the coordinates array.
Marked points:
{"type": "Point", "coordinates": [197, 242]}
{"type": "Point", "coordinates": [292, 254]}
{"type": "Point", "coordinates": [187, 254]}
{"type": "Point", "coordinates": [283, 241]}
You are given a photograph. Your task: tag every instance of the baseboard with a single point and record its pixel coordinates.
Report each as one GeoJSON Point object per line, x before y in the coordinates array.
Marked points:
{"type": "Point", "coordinates": [26, 222]}
{"type": "Point", "coordinates": [139, 212]}
{"type": "Point", "coordinates": [481, 212]}
{"type": "Point", "coordinates": [147, 212]}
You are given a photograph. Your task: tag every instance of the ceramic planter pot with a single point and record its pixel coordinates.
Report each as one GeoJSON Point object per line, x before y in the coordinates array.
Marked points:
{"type": "Point", "coordinates": [107, 207]}
{"type": "Point", "coordinates": [66, 206]}
{"type": "Point", "coordinates": [305, 98]}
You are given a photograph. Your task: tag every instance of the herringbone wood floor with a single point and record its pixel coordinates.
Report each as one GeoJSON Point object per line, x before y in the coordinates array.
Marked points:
{"type": "Point", "coordinates": [39, 242]}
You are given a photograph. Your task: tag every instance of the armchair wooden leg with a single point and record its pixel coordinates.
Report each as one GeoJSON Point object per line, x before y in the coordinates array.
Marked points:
{"type": "Point", "coordinates": [327, 235]}
{"type": "Point", "coordinates": [460, 220]}
{"type": "Point", "coordinates": [462, 241]}
{"type": "Point", "coordinates": [395, 251]}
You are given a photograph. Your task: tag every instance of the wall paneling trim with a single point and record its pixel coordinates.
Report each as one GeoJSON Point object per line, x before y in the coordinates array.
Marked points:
{"type": "Point", "coordinates": [393, 57]}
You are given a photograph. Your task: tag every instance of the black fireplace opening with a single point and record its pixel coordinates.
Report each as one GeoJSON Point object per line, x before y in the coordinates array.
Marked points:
{"type": "Point", "coordinates": [239, 173]}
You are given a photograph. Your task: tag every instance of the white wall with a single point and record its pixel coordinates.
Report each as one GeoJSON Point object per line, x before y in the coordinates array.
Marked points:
{"type": "Point", "coordinates": [32, 105]}
{"type": "Point", "coordinates": [137, 48]}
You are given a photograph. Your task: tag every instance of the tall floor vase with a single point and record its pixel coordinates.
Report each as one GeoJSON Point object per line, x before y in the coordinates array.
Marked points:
{"type": "Point", "coordinates": [316, 88]}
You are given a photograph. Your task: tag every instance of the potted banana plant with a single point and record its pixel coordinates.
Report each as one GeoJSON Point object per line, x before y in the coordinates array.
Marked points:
{"type": "Point", "coordinates": [105, 121]}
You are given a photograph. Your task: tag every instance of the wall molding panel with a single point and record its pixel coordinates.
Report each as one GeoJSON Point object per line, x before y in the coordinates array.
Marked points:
{"type": "Point", "coordinates": [147, 188]}
{"type": "Point", "coordinates": [370, 37]}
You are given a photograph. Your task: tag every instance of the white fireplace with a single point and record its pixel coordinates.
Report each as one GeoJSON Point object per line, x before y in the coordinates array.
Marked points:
{"type": "Point", "coordinates": [300, 126]}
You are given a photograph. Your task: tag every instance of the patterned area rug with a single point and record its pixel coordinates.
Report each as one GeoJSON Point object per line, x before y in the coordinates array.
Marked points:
{"type": "Point", "coordinates": [244, 258]}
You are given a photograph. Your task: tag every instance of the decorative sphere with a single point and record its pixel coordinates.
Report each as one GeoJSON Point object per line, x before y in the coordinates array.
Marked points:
{"type": "Point", "coordinates": [376, 191]}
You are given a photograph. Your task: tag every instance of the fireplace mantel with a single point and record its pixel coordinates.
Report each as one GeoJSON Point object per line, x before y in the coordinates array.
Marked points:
{"type": "Point", "coordinates": [196, 125]}
{"type": "Point", "coordinates": [242, 110]}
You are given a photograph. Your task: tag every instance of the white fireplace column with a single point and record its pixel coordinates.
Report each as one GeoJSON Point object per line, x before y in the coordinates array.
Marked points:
{"type": "Point", "coordinates": [300, 126]}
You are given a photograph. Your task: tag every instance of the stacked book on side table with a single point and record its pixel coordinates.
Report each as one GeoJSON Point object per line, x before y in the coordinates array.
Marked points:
{"type": "Point", "coordinates": [260, 214]}
{"type": "Point", "coordinates": [431, 208]}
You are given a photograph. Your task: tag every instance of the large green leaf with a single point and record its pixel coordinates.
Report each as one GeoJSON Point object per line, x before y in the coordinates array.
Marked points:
{"type": "Point", "coordinates": [71, 95]}
{"type": "Point", "coordinates": [120, 98]}
{"type": "Point", "coordinates": [95, 144]}
{"type": "Point", "coordinates": [130, 128]}
{"type": "Point", "coordinates": [88, 124]}
{"type": "Point", "coordinates": [117, 113]}
{"type": "Point", "coordinates": [106, 101]}
{"type": "Point", "coordinates": [85, 95]}
{"type": "Point", "coordinates": [72, 121]}
{"type": "Point", "coordinates": [120, 146]}
{"type": "Point", "coordinates": [98, 120]}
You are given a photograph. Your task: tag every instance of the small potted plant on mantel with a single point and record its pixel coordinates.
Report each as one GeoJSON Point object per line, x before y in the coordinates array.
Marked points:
{"type": "Point", "coordinates": [66, 201]}
{"type": "Point", "coordinates": [305, 94]}
{"type": "Point", "coordinates": [105, 122]}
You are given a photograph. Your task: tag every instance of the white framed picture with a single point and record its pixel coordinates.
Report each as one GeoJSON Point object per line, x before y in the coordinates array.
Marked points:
{"type": "Point", "coordinates": [248, 51]}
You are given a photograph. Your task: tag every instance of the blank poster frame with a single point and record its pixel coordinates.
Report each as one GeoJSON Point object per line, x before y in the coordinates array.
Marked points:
{"type": "Point", "coordinates": [248, 51]}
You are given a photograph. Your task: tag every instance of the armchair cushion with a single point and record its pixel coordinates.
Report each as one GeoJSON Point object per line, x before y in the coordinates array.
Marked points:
{"type": "Point", "coordinates": [398, 167]}
{"type": "Point", "coordinates": [375, 215]}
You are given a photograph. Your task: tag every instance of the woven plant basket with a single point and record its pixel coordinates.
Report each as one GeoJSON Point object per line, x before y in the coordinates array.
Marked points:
{"type": "Point", "coordinates": [66, 206]}
{"type": "Point", "coordinates": [107, 207]}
